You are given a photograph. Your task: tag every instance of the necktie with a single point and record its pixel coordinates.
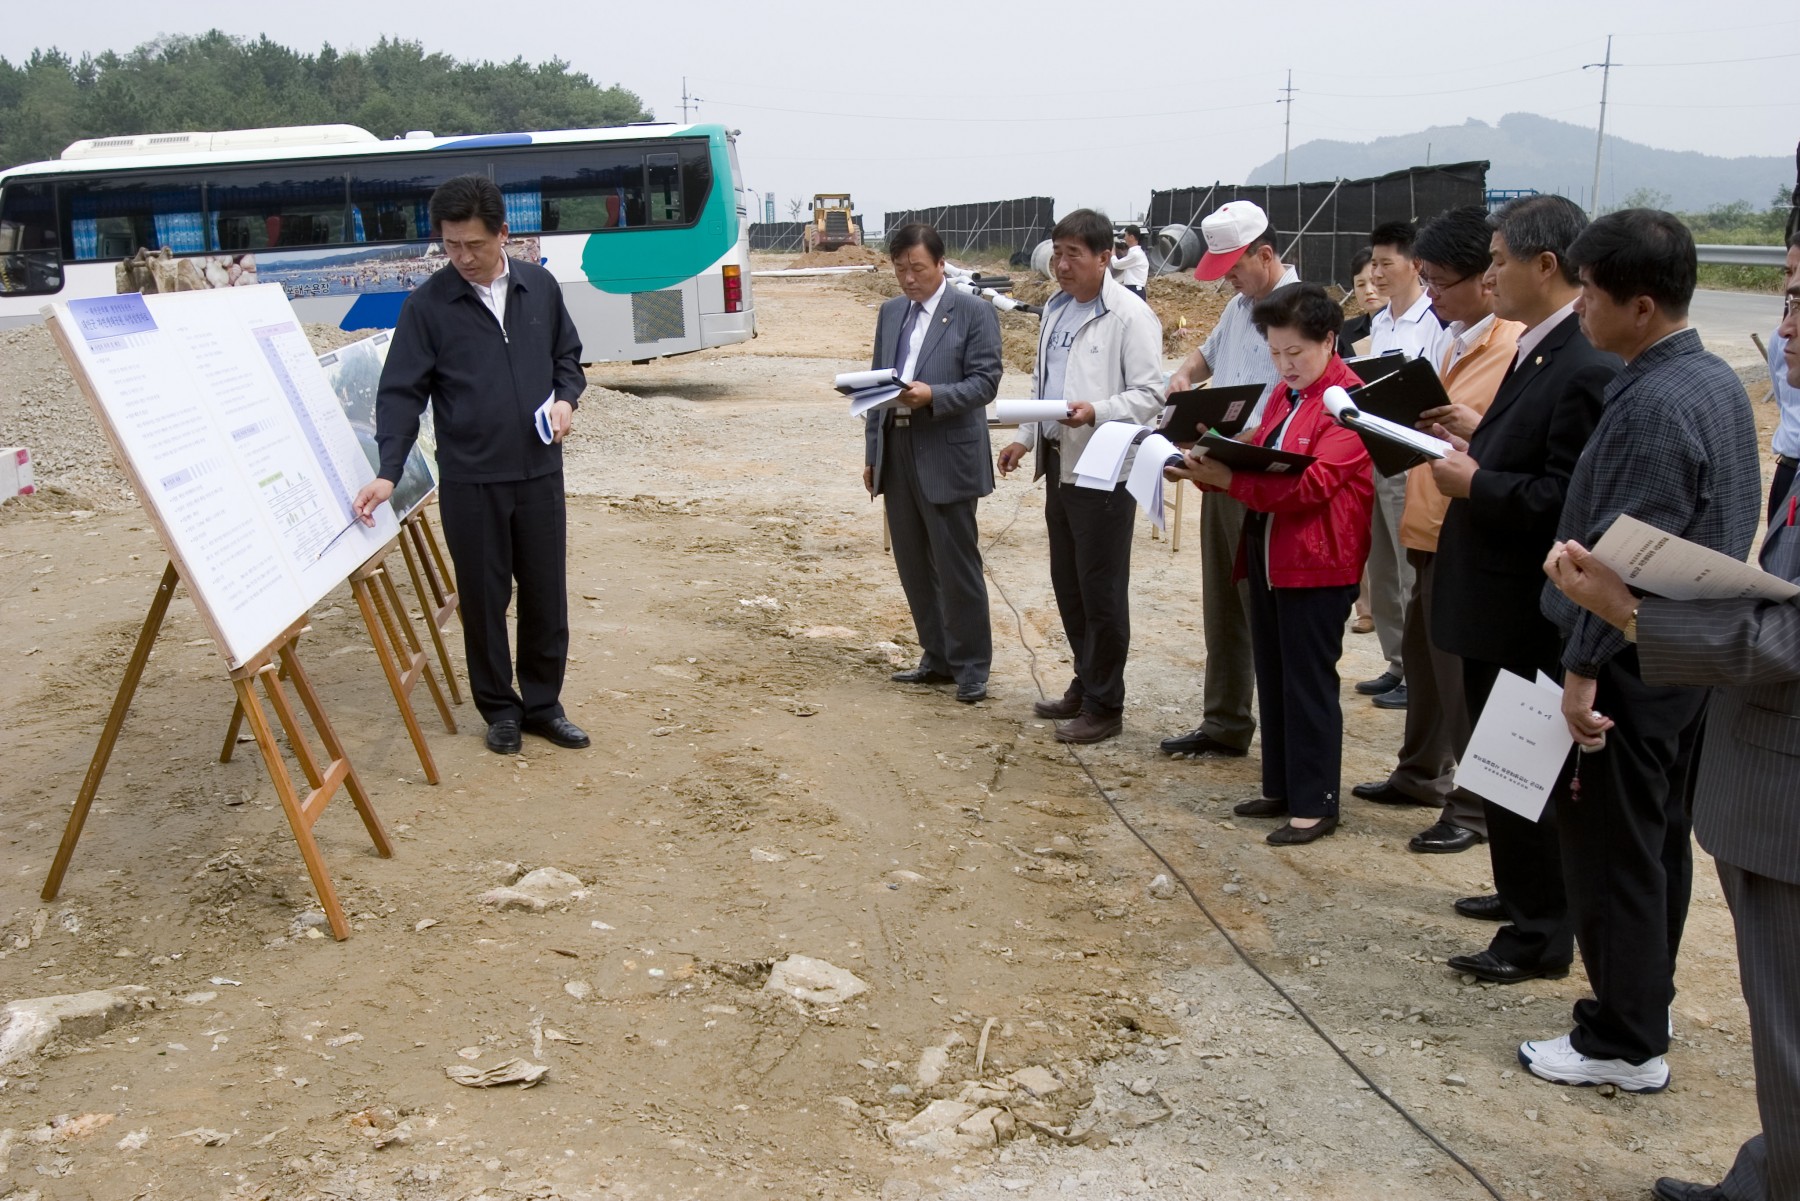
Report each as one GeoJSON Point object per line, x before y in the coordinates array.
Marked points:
{"type": "Point", "coordinates": [906, 329]}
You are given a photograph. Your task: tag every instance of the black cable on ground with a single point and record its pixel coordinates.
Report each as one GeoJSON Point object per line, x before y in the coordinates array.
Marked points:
{"type": "Point", "coordinates": [1175, 873]}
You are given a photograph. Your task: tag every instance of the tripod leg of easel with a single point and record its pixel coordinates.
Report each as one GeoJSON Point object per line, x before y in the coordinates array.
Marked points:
{"type": "Point", "coordinates": [233, 730]}
{"type": "Point", "coordinates": [1175, 529]}
{"type": "Point", "coordinates": [413, 648]}
{"type": "Point", "coordinates": [887, 535]}
{"type": "Point", "coordinates": [115, 720]}
{"type": "Point", "coordinates": [387, 649]}
{"type": "Point", "coordinates": [300, 814]}
{"type": "Point", "coordinates": [444, 578]}
{"type": "Point", "coordinates": [428, 588]}
{"type": "Point", "coordinates": [335, 748]}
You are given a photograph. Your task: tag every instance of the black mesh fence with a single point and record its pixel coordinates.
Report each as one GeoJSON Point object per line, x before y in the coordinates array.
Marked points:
{"type": "Point", "coordinates": [1319, 226]}
{"type": "Point", "coordinates": [1011, 226]}
{"type": "Point", "coordinates": [783, 235]}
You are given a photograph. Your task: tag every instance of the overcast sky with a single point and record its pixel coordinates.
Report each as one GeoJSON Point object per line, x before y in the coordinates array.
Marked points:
{"type": "Point", "coordinates": [987, 99]}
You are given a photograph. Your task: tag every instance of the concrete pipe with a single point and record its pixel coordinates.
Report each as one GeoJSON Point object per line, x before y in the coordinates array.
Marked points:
{"type": "Point", "coordinates": [1040, 257]}
{"type": "Point", "coordinates": [1177, 248]}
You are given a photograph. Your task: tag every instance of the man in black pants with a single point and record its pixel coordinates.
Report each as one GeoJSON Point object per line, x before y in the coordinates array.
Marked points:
{"type": "Point", "coordinates": [1676, 448]}
{"type": "Point", "coordinates": [1507, 491]}
{"type": "Point", "coordinates": [487, 341]}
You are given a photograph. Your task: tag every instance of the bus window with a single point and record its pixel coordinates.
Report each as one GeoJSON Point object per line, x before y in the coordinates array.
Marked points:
{"type": "Point", "coordinates": [392, 199]}
{"type": "Point", "coordinates": [280, 205]}
{"type": "Point", "coordinates": [30, 251]}
{"type": "Point", "coordinates": [663, 174]}
{"type": "Point", "coordinates": [115, 218]}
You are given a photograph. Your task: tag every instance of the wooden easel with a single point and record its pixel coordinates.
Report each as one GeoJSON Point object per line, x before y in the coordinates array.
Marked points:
{"type": "Point", "coordinates": [434, 584]}
{"type": "Point", "coordinates": [274, 664]}
{"type": "Point", "coordinates": [396, 645]}
{"type": "Point", "coordinates": [1174, 519]}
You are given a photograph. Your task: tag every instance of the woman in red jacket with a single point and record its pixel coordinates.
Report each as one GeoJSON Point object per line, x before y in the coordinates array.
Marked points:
{"type": "Point", "coordinates": [1305, 539]}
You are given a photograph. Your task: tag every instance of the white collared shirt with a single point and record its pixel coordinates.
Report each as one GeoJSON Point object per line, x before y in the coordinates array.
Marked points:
{"type": "Point", "coordinates": [494, 294]}
{"type": "Point", "coordinates": [916, 336]}
{"type": "Point", "coordinates": [1413, 333]}
{"type": "Point", "coordinates": [1529, 340]}
{"type": "Point", "coordinates": [1458, 339]}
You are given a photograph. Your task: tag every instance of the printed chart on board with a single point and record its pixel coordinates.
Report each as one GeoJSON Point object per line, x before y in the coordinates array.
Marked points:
{"type": "Point", "coordinates": [237, 445]}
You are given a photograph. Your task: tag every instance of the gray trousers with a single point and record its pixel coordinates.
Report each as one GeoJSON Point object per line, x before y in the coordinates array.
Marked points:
{"type": "Point", "coordinates": [937, 551]}
{"type": "Point", "coordinates": [1225, 623]}
{"type": "Point", "coordinates": [1765, 912]}
{"type": "Point", "coordinates": [1437, 712]}
{"type": "Point", "coordinates": [1390, 577]}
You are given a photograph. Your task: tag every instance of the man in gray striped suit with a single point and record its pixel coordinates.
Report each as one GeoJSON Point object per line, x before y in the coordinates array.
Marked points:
{"type": "Point", "coordinates": [928, 456]}
{"type": "Point", "coordinates": [1745, 798]}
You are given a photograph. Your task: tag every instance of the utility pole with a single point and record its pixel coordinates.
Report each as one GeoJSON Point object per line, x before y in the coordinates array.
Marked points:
{"type": "Point", "coordinates": [1600, 138]}
{"type": "Point", "coordinates": [688, 101]}
{"type": "Point", "coordinates": [1287, 123]}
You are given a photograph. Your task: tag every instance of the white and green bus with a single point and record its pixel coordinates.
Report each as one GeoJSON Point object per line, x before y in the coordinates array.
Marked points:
{"type": "Point", "coordinates": [644, 225]}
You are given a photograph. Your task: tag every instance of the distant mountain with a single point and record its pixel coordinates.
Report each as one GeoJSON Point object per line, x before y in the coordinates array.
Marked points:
{"type": "Point", "coordinates": [1529, 151]}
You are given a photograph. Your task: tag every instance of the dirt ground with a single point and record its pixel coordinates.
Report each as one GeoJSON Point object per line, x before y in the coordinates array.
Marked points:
{"type": "Point", "coordinates": [756, 789]}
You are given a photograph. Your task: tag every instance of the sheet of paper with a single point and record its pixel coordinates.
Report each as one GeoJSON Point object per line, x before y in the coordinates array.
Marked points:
{"type": "Point", "coordinates": [870, 399]}
{"type": "Point", "coordinates": [1024, 412]}
{"type": "Point", "coordinates": [546, 432]}
{"type": "Point", "coordinates": [1145, 483]}
{"type": "Point", "coordinates": [1660, 563]}
{"type": "Point", "coordinates": [1104, 458]}
{"type": "Point", "coordinates": [353, 373]}
{"type": "Point", "coordinates": [1519, 746]}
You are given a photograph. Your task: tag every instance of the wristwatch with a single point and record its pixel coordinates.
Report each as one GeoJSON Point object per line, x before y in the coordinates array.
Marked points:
{"type": "Point", "coordinates": [1631, 626]}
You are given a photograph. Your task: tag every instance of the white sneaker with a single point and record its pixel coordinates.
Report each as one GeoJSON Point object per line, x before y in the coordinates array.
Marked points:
{"type": "Point", "coordinates": [1558, 1062]}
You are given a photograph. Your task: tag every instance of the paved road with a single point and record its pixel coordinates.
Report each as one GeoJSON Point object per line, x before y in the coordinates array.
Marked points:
{"type": "Point", "coordinates": [1727, 319]}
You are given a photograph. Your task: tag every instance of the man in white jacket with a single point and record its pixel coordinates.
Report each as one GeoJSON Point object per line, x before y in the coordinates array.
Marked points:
{"type": "Point", "coordinates": [1100, 349]}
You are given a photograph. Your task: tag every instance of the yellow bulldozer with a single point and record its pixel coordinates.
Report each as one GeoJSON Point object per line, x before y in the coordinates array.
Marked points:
{"type": "Point", "coordinates": [833, 223]}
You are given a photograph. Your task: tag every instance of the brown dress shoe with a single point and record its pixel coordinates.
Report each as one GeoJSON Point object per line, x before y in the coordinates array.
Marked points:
{"type": "Point", "coordinates": [1061, 709]}
{"type": "Point", "coordinates": [1089, 727]}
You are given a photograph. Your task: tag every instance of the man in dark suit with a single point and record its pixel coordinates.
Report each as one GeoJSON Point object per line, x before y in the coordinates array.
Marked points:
{"type": "Point", "coordinates": [1676, 448]}
{"type": "Point", "coordinates": [928, 457]}
{"type": "Point", "coordinates": [1507, 492]}
{"type": "Point", "coordinates": [1744, 811]}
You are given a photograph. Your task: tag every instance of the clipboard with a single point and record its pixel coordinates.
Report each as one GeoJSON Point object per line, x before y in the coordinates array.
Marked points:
{"type": "Point", "coordinates": [1399, 396]}
{"type": "Point", "coordinates": [1370, 367]}
{"type": "Point", "coordinates": [1241, 456]}
{"type": "Point", "coordinates": [1189, 414]}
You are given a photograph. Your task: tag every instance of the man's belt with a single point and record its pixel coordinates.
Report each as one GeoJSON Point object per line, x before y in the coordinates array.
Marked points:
{"type": "Point", "coordinates": [1787, 460]}
{"type": "Point", "coordinates": [901, 418]}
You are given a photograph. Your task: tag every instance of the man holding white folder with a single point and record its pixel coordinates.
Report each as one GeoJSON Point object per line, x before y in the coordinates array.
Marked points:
{"type": "Point", "coordinates": [1675, 447]}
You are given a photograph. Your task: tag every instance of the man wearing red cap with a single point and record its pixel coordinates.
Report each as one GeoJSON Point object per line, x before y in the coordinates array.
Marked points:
{"type": "Point", "coordinates": [1240, 249]}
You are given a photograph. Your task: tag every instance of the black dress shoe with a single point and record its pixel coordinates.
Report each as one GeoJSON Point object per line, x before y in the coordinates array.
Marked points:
{"type": "Point", "coordinates": [560, 730]}
{"type": "Point", "coordinates": [1383, 793]}
{"type": "Point", "coordinates": [1393, 698]}
{"type": "Point", "coordinates": [503, 736]}
{"type": "Point", "coordinates": [1261, 806]}
{"type": "Point", "coordinates": [1290, 835]}
{"type": "Point", "coordinates": [920, 675]}
{"type": "Point", "coordinates": [1667, 1188]}
{"type": "Point", "coordinates": [1485, 965]}
{"type": "Point", "coordinates": [1194, 742]}
{"type": "Point", "coordinates": [1443, 838]}
{"type": "Point", "coordinates": [1387, 681]}
{"type": "Point", "coordinates": [1484, 908]}
{"type": "Point", "coordinates": [968, 694]}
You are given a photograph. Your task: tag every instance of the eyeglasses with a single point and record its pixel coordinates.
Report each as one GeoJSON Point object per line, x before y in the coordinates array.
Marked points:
{"type": "Point", "coordinates": [1434, 284]}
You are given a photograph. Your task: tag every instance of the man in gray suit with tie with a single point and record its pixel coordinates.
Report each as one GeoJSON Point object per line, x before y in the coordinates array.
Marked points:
{"type": "Point", "coordinates": [928, 457]}
{"type": "Point", "coordinates": [1746, 798]}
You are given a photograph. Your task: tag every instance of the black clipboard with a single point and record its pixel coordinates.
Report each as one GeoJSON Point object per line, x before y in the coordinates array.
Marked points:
{"type": "Point", "coordinates": [1222, 410]}
{"type": "Point", "coordinates": [1370, 367]}
{"type": "Point", "coordinates": [1400, 397]}
{"type": "Point", "coordinates": [1241, 456]}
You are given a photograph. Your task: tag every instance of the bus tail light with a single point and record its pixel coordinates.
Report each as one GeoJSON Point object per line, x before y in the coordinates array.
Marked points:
{"type": "Point", "coordinates": [734, 289]}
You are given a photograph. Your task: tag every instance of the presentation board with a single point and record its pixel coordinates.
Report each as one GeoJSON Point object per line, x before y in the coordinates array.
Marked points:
{"type": "Point", "coordinates": [237, 446]}
{"type": "Point", "coordinates": [354, 373]}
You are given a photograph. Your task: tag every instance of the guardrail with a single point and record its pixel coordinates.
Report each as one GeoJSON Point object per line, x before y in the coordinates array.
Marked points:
{"type": "Point", "coordinates": [1743, 256]}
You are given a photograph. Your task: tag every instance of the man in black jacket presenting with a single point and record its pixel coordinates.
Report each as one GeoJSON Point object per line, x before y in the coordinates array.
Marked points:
{"type": "Point", "coordinates": [487, 342]}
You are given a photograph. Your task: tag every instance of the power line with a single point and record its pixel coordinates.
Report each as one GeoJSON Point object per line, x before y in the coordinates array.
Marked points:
{"type": "Point", "coordinates": [1059, 120]}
